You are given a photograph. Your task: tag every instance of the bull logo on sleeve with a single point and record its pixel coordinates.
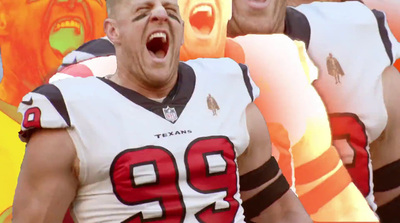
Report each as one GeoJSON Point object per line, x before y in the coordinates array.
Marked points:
{"type": "Point", "coordinates": [212, 104]}
{"type": "Point", "coordinates": [334, 68]}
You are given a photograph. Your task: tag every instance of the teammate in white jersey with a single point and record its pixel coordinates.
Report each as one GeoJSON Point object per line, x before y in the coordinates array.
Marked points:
{"type": "Point", "coordinates": [158, 141]}
{"type": "Point", "coordinates": [354, 50]}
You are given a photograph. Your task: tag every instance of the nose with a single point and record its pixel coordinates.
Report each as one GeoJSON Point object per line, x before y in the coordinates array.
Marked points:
{"type": "Point", "coordinates": [159, 14]}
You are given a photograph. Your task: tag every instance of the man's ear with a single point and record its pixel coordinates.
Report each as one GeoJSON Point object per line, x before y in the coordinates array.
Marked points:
{"type": "Point", "coordinates": [111, 30]}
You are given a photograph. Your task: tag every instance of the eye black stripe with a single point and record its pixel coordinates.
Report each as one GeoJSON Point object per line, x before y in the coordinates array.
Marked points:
{"type": "Point", "coordinates": [174, 17]}
{"type": "Point", "coordinates": [139, 17]}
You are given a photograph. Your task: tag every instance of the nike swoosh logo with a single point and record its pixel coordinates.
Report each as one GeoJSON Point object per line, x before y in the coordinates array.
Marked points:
{"type": "Point", "coordinates": [30, 102]}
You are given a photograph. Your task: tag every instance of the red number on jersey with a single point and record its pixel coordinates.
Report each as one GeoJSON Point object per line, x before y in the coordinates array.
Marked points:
{"type": "Point", "coordinates": [349, 127]}
{"type": "Point", "coordinates": [144, 175]}
{"type": "Point", "coordinates": [219, 177]}
{"type": "Point", "coordinates": [32, 118]}
{"type": "Point", "coordinates": [160, 181]}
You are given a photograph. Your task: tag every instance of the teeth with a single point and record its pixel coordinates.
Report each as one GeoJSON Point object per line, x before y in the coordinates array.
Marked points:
{"type": "Point", "coordinates": [68, 24]}
{"type": "Point", "coordinates": [159, 35]}
{"type": "Point", "coordinates": [203, 8]}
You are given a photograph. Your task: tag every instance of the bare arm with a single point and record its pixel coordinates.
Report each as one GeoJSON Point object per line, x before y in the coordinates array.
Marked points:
{"type": "Point", "coordinates": [385, 150]}
{"type": "Point", "coordinates": [47, 182]}
{"type": "Point", "coordinates": [287, 208]}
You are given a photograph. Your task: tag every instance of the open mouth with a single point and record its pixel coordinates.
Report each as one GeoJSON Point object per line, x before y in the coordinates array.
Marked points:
{"type": "Point", "coordinates": [70, 23]}
{"type": "Point", "coordinates": [158, 44]}
{"type": "Point", "coordinates": [66, 34]}
{"type": "Point", "coordinates": [202, 19]}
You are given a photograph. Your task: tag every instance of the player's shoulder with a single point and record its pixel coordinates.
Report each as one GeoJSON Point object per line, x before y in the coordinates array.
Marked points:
{"type": "Point", "coordinates": [48, 105]}
{"type": "Point", "coordinates": [212, 62]}
{"type": "Point", "coordinates": [95, 66]}
{"type": "Point", "coordinates": [44, 107]}
{"type": "Point", "coordinates": [69, 90]}
{"type": "Point", "coordinates": [94, 58]}
{"type": "Point", "coordinates": [224, 72]}
{"type": "Point", "coordinates": [94, 48]}
{"type": "Point", "coordinates": [98, 47]}
{"type": "Point", "coordinates": [350, 13]}
{"type": "Point", "coordinates": [59, 89]}
{"type": "Point", "coordinates": [349, 20]}
{"type": "Point", "coordinates": [217, 68]}
{"type": "Point", "coordinates": [334, 6]}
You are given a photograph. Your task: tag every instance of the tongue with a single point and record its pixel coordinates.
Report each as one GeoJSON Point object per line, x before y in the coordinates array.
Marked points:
{"type": "Point", "coordinates": [203, 29]}
{"type": "Point", "coordinates": [160, 54]}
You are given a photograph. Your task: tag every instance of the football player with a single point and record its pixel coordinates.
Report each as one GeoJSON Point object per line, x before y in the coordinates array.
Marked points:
{"type": "Point", "coordinates": [145, 143]}
{"type": "Point", "coordinates": [390, 7]}
{"type": "Point", "coordinates": [354, 51]}
{"type": "Point", "coordinates": [296, 117]}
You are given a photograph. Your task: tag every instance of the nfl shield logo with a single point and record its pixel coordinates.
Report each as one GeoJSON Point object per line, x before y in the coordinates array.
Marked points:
{"type": "Point", "coordinates": [170, 114]}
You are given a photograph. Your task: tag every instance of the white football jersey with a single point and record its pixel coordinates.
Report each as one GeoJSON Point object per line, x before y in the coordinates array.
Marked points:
{"type": "Point", "coordinates": [142, 160]}
{"type": "Point", "coordinates": [351, 46]}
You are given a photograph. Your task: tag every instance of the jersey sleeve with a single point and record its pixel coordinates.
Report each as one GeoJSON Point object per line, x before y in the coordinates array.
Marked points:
{"type": "Point", "coordinates": [43, 108]}
{"type": "Point", "coordinates": [252, 88]}
{"type": "Point", "coordinates": [94, 48]}
{"type": "Point", "coordinates": [97, 66]}
{"type": "Point", "coordinates": [392, 46]}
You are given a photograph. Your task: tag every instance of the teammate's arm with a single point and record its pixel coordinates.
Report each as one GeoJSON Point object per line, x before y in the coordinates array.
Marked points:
{"type": "Point", "coordinates": [265, 192]}
{"type": "Point", "coordinates": [47, 182]}
{"type": "Point", "coordinates": [385, 152]}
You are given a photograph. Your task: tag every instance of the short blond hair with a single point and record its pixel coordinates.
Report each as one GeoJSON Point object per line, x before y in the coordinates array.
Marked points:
{"type": "Point", "coordinates": [110, 5]}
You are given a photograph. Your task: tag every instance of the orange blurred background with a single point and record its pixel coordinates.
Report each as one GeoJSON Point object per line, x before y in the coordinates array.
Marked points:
{"type": "Point", "coordinates": [34, 37]}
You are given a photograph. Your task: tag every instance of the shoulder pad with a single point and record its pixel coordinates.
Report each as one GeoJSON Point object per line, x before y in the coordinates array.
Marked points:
{"type": "Point", "coordinates": [43, 108]}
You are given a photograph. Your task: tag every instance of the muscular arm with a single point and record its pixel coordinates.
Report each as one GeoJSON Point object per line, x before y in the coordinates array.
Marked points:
{"type": "Point", "coordinates": [287, 208]}
{"type": "Point", "coordinates": [386, 149]}
{"type": "Point", "coordinates": [47, 182]}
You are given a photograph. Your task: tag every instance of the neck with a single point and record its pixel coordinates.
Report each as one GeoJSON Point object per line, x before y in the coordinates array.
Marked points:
{"type": "Point", "coordinates": [143, 87]}
{"type": "Point", "coordinates": [280, 26]}
{"type": "Point", "coordinates": [233, 29]}
{"type": "Point", "coordinates": [238, 26]}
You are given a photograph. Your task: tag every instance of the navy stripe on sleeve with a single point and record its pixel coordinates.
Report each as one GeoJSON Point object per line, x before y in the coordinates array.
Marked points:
{"type": "Point", "coordinates": [247, 80]}
{"type": "Point", "coordinates": [380, 17]}
{"type": "Point", "coordinates": [53, 94]}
